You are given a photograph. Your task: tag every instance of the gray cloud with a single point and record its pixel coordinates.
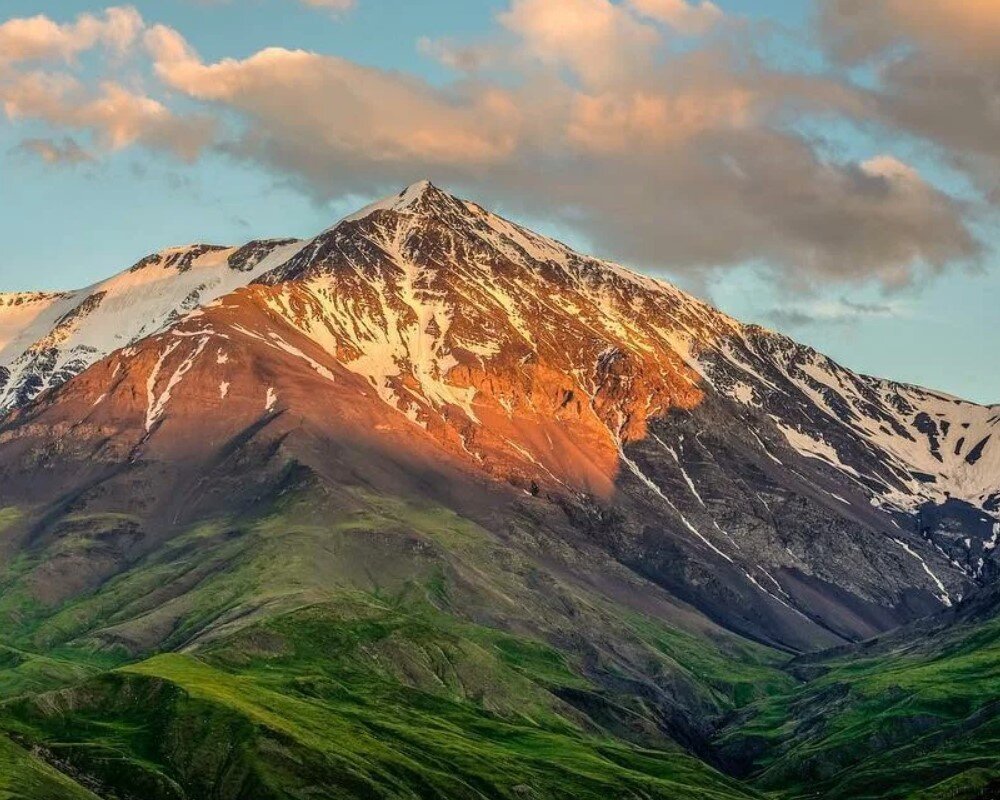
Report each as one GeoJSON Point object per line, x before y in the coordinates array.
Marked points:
{"type": "Point", "coordinates": [938, 72]}
{"type": "Point", "coordinates": [64, 151]}
{"type": "Point", "coordinates": [836, 312]}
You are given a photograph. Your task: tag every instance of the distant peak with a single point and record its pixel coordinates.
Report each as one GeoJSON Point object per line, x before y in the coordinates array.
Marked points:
{"type": "Point", "coordinates": [180, 257]}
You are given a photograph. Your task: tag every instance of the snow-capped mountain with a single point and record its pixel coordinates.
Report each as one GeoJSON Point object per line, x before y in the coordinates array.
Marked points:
{"type": "Point", "coordinates": [785, 496]}
{"type": "Point", "coordinates": [46, 338]}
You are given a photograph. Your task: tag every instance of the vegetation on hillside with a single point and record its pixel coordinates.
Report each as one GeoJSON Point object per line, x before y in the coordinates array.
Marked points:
{"type": "Point", "coordinates": [374, 647]}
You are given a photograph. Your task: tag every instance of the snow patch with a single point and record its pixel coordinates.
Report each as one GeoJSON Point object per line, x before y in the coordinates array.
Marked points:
{"type": "Point", "coordinates": [944, 597]}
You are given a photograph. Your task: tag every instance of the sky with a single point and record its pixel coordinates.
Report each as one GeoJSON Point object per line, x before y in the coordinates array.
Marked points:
{"type": "Point", "coordinates": [827, 168]}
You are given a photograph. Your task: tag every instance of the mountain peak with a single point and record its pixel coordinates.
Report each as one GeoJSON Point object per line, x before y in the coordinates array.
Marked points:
{"type": "Point", "coordinates": [418, 188]}
{"type": "Point", "coordinates": [420, 197]}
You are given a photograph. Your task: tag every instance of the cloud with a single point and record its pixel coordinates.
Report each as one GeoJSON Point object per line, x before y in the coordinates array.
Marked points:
{"type": "Point", "coordinates": [39, 38]}
{"type": "Point", "coordinates": [683, 162]}
{"type": "Point", "coordinates": [937, 68]}
{"type": "Point", "coordinates": [304, 109]}
{"type": "Point", "coordinates": [859, 30]}
{"type": "Point", "coordinates": [600, 42]}
{"type": "Point", "coordinates": [691, 19]}
{"type": "Point", "coordinates": [116, 116]}
{"type": "Point", "coordinates": [832, 312]}
{"type": "Point", "coordinates": [64, 151]}
{"type": "Point", "coordinates": [731, 196]}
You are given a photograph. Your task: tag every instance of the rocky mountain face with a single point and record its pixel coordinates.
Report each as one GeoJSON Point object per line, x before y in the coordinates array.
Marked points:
{"type": "Point", "coordinates": [789, 499]}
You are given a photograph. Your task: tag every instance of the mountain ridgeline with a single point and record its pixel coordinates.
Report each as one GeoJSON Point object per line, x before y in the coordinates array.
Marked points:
{"type": "Point", "coordinates": [372, 513]}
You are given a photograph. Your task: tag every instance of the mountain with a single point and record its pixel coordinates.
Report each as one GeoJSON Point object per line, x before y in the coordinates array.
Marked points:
{"type": "Point", "coordinates": [430, 471]}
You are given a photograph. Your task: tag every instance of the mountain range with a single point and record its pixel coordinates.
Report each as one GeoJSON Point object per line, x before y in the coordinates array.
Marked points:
{"type": "Point", "coordinates": [430, 505]}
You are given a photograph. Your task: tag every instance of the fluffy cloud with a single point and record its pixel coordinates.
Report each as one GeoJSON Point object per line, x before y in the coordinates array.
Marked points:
{"type": "Point", "coordinates": [38, 37]}
{"type": "Point", "coordinates": [304, 108]}
{"type": "Point", "coordinates": [740, 195]}
{"type": "Point", "coordinates": [682, 160]}
{"type": "Point", "coordinates": [599, 41]}
{"type": "Point", "coordinates": [116, 116]}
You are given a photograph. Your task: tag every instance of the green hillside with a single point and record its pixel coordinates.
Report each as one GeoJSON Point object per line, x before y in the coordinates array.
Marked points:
{"type": "Point", "coordinates": [358, 646]}
{"type": "Point", "coordinates": [916, 715]}
{"type": "Point", "coordinates": [362, 699]}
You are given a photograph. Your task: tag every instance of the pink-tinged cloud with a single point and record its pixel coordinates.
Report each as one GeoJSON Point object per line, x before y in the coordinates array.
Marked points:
{"type": "Point", "coordinates": [679, 163]}
{"type": "Point", "coordinates": [324, 103]}
{"type": "Point", "coordinates": [626, 122]}
{"type": "Point", "coordinates": [600, 42]}
{"type": "Point", "coordinates": [581, 111]}
{"type": "Point", "coordinates": [116, 116]}
{"type": "Point", "coordinates": [37, 38]}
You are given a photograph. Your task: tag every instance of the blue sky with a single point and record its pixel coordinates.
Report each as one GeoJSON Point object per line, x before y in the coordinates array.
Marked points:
{"type": "Point", "coordinates": [757, 166]}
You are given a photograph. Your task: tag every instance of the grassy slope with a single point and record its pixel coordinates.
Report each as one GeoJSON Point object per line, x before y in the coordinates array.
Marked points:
{"type": "Point", "coordinates": [913, 718]}
{"type": "Point", "coordinates": [362, 648]}
{"type": "Point", "coordinates": [24, 777]}
{"type": "Point", "coordinates": [355, 699]}
{"type": "Point", "coordinates": [382, 648]}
